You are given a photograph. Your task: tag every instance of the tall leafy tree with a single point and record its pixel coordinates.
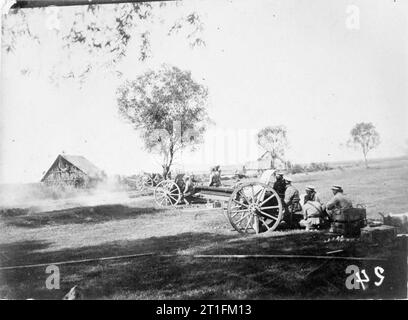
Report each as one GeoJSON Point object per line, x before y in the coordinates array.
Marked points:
{"type": "Point", "coordinates": [365, 136]}
{"type": "Point", "coordinates": [274, 141]}
{"type": "Point", "coordinates": [168, 108]}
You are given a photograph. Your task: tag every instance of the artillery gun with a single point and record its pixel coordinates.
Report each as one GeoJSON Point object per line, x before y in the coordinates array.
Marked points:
{"type": "Point", "coordinates": [251, 207]}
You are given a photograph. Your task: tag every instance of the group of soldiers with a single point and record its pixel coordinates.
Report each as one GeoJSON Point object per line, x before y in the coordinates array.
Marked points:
{"type": "Point", "coordinates": [314, 213]}
{"type": "Point", "coordinates": [189, 190]}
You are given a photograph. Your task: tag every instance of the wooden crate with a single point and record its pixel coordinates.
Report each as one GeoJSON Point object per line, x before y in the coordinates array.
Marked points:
{"type": "Point", "coordinates": [380, 234]}
{"type": "Point", "coordinates": [348, 228]}
{"type": "Point", "coordinates": [349, 215]}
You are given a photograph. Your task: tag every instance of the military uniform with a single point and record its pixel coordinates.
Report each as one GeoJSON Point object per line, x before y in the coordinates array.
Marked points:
{"type": "Point", "coordinates": [189, 191]}
{"type": "Point", "coordinates": [280, 187]}
{"type": "Point", "coordinates": [312, 197]}
{"type": "Point", "coordinates": [215, 179]}
{"type": "Point", "coordinates": [312, 215]}
{"type": "Point", "coordinates": [292, 198]}
{"type": "Point", "coordinates": [339, 202]}
{"type": "Point", "coordinates": [292, 206]}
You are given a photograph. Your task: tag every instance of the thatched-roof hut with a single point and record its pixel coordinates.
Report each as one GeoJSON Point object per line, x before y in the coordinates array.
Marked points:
{"type": "Point", "coordinates": [72, 170]}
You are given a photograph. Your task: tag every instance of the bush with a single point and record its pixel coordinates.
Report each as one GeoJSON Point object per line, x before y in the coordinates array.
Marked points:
{"type": "Point", "coordinates": [312, 167]}
{"type": "Point", "coordinates": [297, 168]}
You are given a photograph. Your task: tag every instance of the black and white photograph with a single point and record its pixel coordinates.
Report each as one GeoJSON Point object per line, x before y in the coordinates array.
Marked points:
{"type": "Point", "coordinates": [211, 150]}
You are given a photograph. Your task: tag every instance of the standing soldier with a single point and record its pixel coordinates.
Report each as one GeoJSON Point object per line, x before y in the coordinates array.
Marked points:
{"type": "Point", "coordinates": [215, 177]}
{"type": "Point", "coordinates": [218, 170]}
{"type": "Point", "coordinates": [280, 185]}
{"type": "Point", "coordinates": [292, 202]}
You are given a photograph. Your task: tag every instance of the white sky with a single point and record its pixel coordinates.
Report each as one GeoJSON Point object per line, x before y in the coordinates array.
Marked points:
{"type": "Point", "coordinates": [292, 63]}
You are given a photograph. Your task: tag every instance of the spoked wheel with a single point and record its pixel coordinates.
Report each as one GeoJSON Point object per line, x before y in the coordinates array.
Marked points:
{"type": "Point", "coordinates": [147, 181]}
{"type": "Point", "coordinates": [138, 184]}
{"type": "Point", "coordinates": [167, 193]}
{"type": "Point", "coordinates": [254, 208]}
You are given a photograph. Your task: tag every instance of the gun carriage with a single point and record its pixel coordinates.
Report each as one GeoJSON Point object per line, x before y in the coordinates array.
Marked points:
{"type": "Point", "coordinates": [251, 207]}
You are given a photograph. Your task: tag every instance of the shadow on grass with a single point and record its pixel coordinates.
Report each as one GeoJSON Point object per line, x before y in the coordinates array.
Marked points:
{"type": "Point", "coordinates": [182, 277]}
{"type": "Point", "coordinates": [91, 214]}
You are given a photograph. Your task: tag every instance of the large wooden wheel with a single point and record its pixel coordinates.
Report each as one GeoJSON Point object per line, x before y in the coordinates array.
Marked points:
{"type": "Point", "coordinates": [254, 207]}
{"type": "Point", "coordinates": [167, 193]}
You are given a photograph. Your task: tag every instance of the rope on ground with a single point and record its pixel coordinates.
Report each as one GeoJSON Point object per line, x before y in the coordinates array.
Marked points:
{"type": "Point", "coordinates": [198, 256]}
{"type": "Point", "coordinates": [130, 256]}
{"type": "Point", "coordinates": [283, 256]}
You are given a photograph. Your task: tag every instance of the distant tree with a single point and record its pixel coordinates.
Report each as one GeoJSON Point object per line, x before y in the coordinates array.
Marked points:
{"type": "Point", "coordinates": [274, 141]}
{"type": "Point", "coordinates": [365, 136]}
{"type": "Point", "coordinates": [168, 108]}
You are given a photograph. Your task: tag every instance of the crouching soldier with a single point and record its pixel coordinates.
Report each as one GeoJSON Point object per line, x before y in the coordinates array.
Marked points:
{"type": "Point", "coordinates": [313, 215]}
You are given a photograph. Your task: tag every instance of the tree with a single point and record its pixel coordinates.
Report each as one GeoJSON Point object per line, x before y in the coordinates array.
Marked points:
{"type": "Point", "coordinates": [168, 108]}
{"type": "Point", "coordinates": [274, 141]}
{"type": "Point", "coordinates": [98, 33]}
{"type": "Point", "coordinates": [365, 136]}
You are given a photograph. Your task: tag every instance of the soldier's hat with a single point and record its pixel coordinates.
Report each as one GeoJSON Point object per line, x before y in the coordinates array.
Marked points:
{"type": "Point", "coordinates": [279, 173]}
{"type": "Point", "coordinates": [310, 188]}
{"type": "Point", "coordinates": [288, 179]}
{"type": "Point", "coordinates": [337, 188]}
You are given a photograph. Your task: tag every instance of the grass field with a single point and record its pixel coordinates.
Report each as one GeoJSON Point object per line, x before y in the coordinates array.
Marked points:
{"type": "Point", "coordinates": [119, 227]}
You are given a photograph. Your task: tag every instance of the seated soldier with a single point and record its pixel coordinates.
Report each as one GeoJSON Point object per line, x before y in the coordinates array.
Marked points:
{"type": "Point", "coordinates": [313, 215]}
{"type": "Point", "coordinates": [338, 202]}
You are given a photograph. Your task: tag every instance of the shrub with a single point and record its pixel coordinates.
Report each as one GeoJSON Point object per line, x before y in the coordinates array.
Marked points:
{"type": "Point", "coordinates": [312, 167]}
{"type": "Point", "coordinates": [297, 168]}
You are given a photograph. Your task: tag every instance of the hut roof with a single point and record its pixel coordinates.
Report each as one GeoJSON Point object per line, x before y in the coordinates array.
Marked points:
{"type": "Point", "coordinates": [83, 164]}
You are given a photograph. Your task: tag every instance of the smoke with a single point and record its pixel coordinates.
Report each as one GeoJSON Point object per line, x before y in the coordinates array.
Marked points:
{"type": "Point", "coordinates": [37, 197]}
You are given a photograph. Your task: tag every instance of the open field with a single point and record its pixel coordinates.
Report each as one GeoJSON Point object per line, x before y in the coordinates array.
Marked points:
{"type": "Point", "coordinates": [381, 188]}
{"type": "Point", "coordinates": [135, 225]}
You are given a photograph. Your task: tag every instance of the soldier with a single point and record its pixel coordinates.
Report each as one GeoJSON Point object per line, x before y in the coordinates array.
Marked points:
{"type": "Point", "coordinates": [280, 185]}
{"type": "Point", "coordinates": [215, 177]}
{"type": "Point", "coordinates": [292, 202]}
{"type": "Point", "coordinates": [189, 190]}
{"type": "Point", "coordinates": [311, 195]}
{"type": "Point", "coordinates": [313, 215]}
{"type": "Point", "coordinates": [218, 170]}
{"type": "Point", "coordinates": [339, 200]}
